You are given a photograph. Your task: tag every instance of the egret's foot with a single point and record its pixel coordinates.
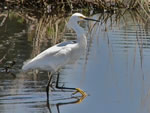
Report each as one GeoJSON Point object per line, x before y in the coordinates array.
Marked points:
{"type": "Point", "coordinates": [81, 99]}
{"type": "Point", "coordinates": [80, 91]}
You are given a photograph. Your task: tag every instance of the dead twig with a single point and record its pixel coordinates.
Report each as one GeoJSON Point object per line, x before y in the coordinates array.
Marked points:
{"type": "Point", "coordinates": [4, 19]}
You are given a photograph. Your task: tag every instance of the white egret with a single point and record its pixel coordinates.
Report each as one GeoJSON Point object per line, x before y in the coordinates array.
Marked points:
{"type": "Point", "coordinates": [53, 58]}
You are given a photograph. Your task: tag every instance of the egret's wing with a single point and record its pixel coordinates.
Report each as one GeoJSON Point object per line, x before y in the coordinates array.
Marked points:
{"type": "Point", "coordinates": [51, 57]}
{"type": "Point", "coordinates": [55, 49]}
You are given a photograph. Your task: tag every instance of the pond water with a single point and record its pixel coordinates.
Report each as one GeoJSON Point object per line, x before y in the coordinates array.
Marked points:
{"type": "Point", "coordinates": [114, 72]}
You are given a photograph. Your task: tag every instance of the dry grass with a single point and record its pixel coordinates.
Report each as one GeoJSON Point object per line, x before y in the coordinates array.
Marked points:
{"type": "Point", "coordinates": [38, 7]}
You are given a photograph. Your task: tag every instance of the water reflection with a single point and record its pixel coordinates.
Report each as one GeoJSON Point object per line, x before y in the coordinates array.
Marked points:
{"type": "Point", "coordinates": [115, 71]}
{"type": "Point", "coordinates": [72, 100]}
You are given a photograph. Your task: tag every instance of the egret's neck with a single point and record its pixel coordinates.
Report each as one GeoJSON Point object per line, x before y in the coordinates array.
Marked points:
{"type": "Point", "coordinates": [81, 38]}
{"type": "Point", "coordinates": [79, 30]}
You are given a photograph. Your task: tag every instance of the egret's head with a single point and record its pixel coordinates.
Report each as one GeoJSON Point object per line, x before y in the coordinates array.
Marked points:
{"type": "Point", "coordinates": [78, 17]}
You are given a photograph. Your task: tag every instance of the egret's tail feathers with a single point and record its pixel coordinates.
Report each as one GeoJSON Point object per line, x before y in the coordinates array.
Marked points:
{"type": "Point", "coordinates": [26, 66]}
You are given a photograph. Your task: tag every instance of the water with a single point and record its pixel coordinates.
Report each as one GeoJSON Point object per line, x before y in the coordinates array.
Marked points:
{"type": "Point", "coordinates": [114, 72]}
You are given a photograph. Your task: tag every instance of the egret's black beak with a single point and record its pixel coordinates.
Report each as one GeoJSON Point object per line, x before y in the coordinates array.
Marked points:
{"type": "Point", "coordinates": [91, 19]}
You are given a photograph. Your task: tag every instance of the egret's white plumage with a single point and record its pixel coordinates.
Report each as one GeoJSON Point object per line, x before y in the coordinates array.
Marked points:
{"type": "Point", "coordinates": [55, 57]}
{"type": "Point", "coordinates": [63, 53]}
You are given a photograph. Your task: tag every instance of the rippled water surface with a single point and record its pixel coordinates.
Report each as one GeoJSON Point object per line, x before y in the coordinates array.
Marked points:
{"type": "Point", "coordinates": [115, 72]}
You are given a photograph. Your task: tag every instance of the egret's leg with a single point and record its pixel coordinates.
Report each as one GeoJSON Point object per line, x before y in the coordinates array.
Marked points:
{"type": "Point", "coordinates": [57, 84]}
{"type": "Point", "coordinates": [77, 89]}
{"type": "Point", "coordinates": [51, 83]}
{"type": "Point", "coordinates": [47, 87]}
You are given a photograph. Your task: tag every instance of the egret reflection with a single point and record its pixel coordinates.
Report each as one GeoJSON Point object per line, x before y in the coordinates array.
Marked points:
{"type": "Point", "coordinates": [68, 101]}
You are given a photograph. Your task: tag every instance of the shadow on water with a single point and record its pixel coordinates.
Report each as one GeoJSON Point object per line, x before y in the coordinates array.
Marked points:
{"type": "Point", "coordinates": [114, 70]}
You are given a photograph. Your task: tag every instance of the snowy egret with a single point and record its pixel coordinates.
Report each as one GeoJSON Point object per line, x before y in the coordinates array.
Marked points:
{"type": "Point", "coordinates": [53, 58]}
